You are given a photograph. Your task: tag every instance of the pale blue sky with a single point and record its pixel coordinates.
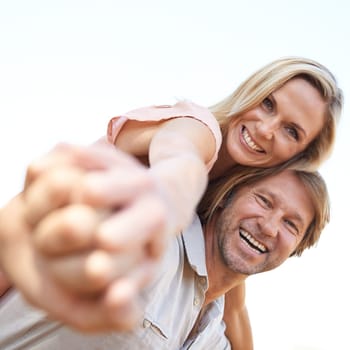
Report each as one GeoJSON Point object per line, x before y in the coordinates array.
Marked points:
{"type": "Point", "coordinates": [66, 67]}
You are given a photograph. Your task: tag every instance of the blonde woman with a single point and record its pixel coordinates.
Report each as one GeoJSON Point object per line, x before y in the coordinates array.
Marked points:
{"type": "Point", "coordinates": [286, 111]}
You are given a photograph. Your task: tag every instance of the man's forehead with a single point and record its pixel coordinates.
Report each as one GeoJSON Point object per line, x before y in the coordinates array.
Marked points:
{"type": "Point", "coordinates": [285, 187]}
{"type": "Point", "coordinates": [287, 177]}
{"type": "Point", "coordinates": [287, 191]}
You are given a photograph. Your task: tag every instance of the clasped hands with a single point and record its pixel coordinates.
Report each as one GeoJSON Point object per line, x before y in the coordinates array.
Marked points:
{"type": "Point", "coordinates": [84, 236]}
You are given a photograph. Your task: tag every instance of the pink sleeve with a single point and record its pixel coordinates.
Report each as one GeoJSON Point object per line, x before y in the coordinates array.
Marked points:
{"type": "Point", "coordinates": [155, 113]}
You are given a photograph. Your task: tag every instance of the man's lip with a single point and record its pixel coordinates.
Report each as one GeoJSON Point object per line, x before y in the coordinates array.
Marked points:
{"type": "Point", "coordinates": [252, 241]}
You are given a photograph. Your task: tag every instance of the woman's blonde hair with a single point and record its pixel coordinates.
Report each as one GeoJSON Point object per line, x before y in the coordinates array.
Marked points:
{"type": "Point", "coordinates": [221, 191]}
{"type": "Point", "coordinates": [273, 76]}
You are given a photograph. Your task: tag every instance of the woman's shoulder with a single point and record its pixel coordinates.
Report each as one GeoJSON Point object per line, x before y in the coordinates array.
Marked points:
{"type": "Point", "coordinates": [183, 108]}
{"type": "Point", "coordinates": [154, 113]}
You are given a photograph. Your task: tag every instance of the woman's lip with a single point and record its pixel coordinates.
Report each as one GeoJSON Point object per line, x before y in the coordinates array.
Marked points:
{"type": "Point", "coordinates": [245, 143]}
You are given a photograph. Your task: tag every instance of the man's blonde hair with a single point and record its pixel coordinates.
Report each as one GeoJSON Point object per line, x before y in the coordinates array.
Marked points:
{"type": "Point", "coordinates": [221, 191]}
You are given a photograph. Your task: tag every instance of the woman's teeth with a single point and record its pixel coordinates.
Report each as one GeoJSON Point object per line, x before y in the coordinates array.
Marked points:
{"type": "Point", "coordinates": [250, 142]}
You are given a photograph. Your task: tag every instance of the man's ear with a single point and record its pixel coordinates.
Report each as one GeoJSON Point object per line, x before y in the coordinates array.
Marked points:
{"type": "Point", "coordinates": [222, 203]}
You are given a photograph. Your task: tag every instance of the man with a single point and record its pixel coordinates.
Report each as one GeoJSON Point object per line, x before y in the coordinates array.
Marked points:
{"type": "Point", "coordinates": [252, 228]}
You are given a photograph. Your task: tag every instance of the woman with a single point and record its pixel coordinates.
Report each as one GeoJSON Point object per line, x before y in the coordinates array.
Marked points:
{"type": "Point", "coordinates": [286, 111]}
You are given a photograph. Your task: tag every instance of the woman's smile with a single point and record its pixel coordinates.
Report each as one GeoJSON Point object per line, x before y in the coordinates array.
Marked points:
{"type": "Point", "coordinates": [278, 128]}
{"type": "Point", "coordinates": [248, 141]}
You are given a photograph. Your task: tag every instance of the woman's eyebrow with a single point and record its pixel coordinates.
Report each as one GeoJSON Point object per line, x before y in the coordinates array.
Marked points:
{"type": "Point", "coordinates": [296, 125]}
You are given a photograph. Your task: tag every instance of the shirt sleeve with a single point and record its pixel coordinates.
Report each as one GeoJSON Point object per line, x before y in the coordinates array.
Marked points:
{"type": "Point", "coordinates": [164, 112]}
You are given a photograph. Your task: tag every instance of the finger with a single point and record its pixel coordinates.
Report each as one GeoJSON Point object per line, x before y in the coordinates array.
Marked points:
{"type": "Point", "coordinates": [103, 156]}
{"type": "Point", "coordinates": [113, 188]}
{"type": "Point", "coordinates": [93, 157]}
{"type": "Point", "coordinates": [93, 316]}
{"type": "Point", "coordinates": [66, 230]}
{"type": "Point", "coordinates": [61, 154]}
{"type": "Point", "coordinates": [90, 273]}
{"type": "Point", "coordinates": [143, 221]}
{"type": "Point", "coordinates": [121, 290]}
{"type": "Point", "coordinates": [89, 314]}
{"type": "Point", "coordinates": [51, 191]}
{"type": "Point", "coordinates": [123, 294]}
{"type": "Point", "coordinates": [14, 239]}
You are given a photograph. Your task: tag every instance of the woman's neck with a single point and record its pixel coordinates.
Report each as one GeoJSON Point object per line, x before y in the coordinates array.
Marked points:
{"type": "Point", "coordinates": [222, 164]}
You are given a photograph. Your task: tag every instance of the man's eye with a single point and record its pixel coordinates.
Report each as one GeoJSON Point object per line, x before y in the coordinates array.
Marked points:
{"type": "Point", "coordinates": [268, 104]}
{"type": "Point", "coordinates": [264, 201]}
{"type": "Point", "coordinates": [293, 132]}
{"type": "Point", "coordinates": [292, 226]}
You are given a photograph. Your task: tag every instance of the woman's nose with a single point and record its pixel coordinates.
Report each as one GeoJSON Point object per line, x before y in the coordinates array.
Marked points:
{"type": "Point", "coordinates": [267, 127]}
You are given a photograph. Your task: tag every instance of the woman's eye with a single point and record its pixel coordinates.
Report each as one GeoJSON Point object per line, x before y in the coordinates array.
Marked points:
{"type": "Point", "coordinates": [293, 132]}
{"type": "Point", "coordinates": [268, 104]}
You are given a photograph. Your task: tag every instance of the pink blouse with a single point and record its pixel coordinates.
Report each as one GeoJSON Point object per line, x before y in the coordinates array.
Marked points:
{"type": "Point", "coordinates": [156, 113]}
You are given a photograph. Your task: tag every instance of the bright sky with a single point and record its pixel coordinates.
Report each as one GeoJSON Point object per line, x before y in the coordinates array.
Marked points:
{"type": "Point", "coordinates": [66, 67]}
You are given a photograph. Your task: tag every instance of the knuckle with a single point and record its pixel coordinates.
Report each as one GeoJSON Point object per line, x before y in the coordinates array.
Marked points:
{"type": "Point", "coordinates": [159, 213]}
{"type": "Point", "coordinates": [59, 183]}
{"type": "Point", "coordinates": [97, 269]}
{"type": "Point", "coordinates": [32, 171]}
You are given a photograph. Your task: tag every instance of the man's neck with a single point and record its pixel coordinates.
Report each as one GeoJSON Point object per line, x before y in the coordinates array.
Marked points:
{"type": "Point", "coordinates": [221, 278]}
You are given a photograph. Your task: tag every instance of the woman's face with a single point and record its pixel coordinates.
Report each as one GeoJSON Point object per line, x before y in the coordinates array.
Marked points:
{"type": "Point", "coordinates": [280, 127]}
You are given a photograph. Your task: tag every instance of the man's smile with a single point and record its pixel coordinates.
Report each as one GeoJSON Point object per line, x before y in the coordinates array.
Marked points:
{"type": "Point", "coordinates": [252, 242]}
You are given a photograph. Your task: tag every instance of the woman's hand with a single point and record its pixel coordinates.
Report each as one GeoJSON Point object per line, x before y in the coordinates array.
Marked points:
{"type": "Point", "coordinates": [76, 201]}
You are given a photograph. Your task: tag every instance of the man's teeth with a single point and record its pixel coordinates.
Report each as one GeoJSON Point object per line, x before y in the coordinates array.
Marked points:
{"type": "Point", "coordinates": [250, 142]}
{"type": "Point", "coordinates": [252, 241]}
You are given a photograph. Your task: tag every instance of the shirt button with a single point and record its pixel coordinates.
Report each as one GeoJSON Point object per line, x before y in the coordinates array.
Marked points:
{"type": "Point", "coordinates": [202, 281]}
{"type": "Point", "coordinates": [196, 301]}
{"type": "Point", "coordinates": [146, 323]}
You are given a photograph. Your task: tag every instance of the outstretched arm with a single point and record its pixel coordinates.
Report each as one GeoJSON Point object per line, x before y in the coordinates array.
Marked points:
{"type": "Point", "coordinates": [238, 328]}
{"type": "Point", "coordinates": [178, 151]}
{"type": "Point", "coordinates": [4, 283]}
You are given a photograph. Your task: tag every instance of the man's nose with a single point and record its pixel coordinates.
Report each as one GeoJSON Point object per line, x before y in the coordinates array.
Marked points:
{"type": "Point", "coordinates": [269, 225]}
{"type": "Point", "coordinates": [267, 126]}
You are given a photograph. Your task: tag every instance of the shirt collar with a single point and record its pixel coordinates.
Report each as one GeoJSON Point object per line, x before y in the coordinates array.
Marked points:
{"type": "Point", "coordinates": [193, 239]}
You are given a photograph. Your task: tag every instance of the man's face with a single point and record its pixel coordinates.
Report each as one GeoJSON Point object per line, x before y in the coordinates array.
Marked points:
{"type": "Point", "coordinates": [263, 224]}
